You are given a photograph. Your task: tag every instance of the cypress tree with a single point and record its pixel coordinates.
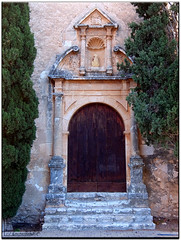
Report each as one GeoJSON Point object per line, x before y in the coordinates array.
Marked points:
{"type": "Point", "coordinates": [19, 103]}
{"type": "Point", "coordinates": [153, 46]}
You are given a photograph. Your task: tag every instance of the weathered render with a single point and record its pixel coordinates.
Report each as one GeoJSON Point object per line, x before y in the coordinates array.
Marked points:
{"type": "Point", "coordinates": [77, 65]}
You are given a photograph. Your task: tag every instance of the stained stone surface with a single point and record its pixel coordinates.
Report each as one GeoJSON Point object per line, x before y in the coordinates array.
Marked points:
{"type": "Point", "coordinates": [103, 211]}
{"type": "Point", "coordinates": [160, 174]}
{"type": "Point", "coordinates": [137, 188]}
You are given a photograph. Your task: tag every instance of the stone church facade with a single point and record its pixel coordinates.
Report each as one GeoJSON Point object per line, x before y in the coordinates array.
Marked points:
{"type": "Point", "coordinates": [82, 96]}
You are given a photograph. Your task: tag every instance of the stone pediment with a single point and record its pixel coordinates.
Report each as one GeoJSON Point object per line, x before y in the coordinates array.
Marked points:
{"type": "Point", "coordinates": [96, 19]}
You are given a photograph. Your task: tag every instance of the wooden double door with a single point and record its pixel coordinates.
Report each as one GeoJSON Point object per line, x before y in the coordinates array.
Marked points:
{"type": "Point", "coordinates": [96, 150]}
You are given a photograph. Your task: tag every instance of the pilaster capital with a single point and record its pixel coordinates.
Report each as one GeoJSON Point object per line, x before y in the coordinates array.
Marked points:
{"type": "Point", "coordinates": [83, 37]}
{"type": "Point", "coordinates": [109, 31]}
{"type": "Point", "coordinates": [83, 31]}
{"type": "Point", "coordinates": [58, 94]}
{"type": "Point", "coordinates": [108, 37]}
{"type": "Point", "coordinates": [136, 162]}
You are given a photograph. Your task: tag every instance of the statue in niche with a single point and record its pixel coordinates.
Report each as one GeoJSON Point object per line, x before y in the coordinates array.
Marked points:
{"type": "Point", "coordinates": [95, 61]}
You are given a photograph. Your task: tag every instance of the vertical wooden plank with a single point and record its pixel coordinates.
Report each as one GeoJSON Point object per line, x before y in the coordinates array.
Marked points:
{"type": "Point", "coordinates": [96, 152]}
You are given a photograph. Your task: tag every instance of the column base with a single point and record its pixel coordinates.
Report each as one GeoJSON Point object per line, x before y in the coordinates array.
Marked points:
{"type": "Point", "coordinates": [109, 71]}
{"type": "Point", "coordinates": [137, 188]}
{"type": "Point", "coordinates": [55, 198]}
{"type": "Point", "coordinates": [82, 71]}
{"type": "Point", "coordinates": [56, 191]}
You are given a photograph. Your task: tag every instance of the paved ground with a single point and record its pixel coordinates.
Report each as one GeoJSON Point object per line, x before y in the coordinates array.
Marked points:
{"type": "Point", "coordinates": [93, 234]}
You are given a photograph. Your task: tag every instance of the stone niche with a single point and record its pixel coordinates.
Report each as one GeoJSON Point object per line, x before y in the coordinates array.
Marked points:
{"type": "Point", "coordinates": [96, 31]}
{"type": "Point", "coordinates": [95, 55]}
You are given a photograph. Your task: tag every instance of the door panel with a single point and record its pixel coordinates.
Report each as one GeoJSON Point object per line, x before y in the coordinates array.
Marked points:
{"type": "Point", "coordinates": [96, 150]}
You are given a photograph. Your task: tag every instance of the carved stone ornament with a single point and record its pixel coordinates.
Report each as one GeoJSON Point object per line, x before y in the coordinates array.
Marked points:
{"type": "Point", "coordinates": [96, 20]}
{"type": "Point", "coordinates": [95, 61]}
{"type": "Point", "coordinates": [95, 43]}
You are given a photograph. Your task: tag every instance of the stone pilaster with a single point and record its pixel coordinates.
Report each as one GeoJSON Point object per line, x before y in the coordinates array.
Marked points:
{"type": "Point", "coordinates": [83, 47]}
{"type": "Point", "coordinates": [134, 136]}
{"type": "Point", "coordinates": [137, 188]}
{"type": "Point", "coordinates": [58, 125]}
{"type": "Point", "coordinates": [109, 69]}
{"type": "Point", "coordinates": [56, 191]}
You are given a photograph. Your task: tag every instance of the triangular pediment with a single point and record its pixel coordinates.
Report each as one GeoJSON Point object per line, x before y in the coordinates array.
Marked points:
{"type": "Point", "coordinates": [96, 18]}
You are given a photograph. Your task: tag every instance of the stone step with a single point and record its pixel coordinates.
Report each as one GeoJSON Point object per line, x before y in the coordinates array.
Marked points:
{"type": "Point", "coordinates": [99, 211]}
{"type": "Point", "coordinates": [103, 203]}
{"type": "Point", "coordinates": [96, 210]}
{"type": "Point", "coordinates": [97, 218]}
{"type": "Point", "coordinates": [96, 196]}
{"type": "Point", "coordinates": [141, 203]}
{"type": "Point", "coordinates": [100, 226]}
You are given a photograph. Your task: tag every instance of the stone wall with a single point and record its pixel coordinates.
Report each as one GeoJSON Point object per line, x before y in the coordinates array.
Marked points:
{"type": "Point", "coordinates": [161, 179]}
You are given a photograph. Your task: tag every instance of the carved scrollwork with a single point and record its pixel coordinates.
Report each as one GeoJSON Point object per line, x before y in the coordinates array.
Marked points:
{"type": "Point", "coordinates": [118, 48]}
{"type": "Point", "coordinates": [75, 48]}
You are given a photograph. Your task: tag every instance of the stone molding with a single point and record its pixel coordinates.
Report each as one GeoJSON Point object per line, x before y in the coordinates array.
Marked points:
{"type": "Point", "coordinates": [90, 20]}
{"type": "Point", "coordinates": [70, 77]}
{"type": "Point", "coordinates": [86, 100]}
{"type": "Point", "coordinates": [56, 162]}
{"type": "Point", "coordinates": [57, 94]}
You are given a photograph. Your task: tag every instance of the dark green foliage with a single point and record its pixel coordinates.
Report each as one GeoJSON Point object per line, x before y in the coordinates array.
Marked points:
{"type": "Point", "coordinates": [155, 70]}
{"type": "Point", "coordinates": [19, 103]}
{"type": "Point", "coordinates": [124, 67]}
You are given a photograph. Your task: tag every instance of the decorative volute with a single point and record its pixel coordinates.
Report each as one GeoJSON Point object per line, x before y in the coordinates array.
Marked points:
{"type": "Point", "coordinates": [95, 32]}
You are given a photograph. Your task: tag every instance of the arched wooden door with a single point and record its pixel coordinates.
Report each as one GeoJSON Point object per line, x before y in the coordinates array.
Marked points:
{"type": "Point", "coordinates": [96, 150]}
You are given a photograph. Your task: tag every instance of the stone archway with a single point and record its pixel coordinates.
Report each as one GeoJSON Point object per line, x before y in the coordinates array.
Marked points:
{"type": "Point", "coordinates": [96, 150]}
{"type": "Point", "coordinates": [77, 81]}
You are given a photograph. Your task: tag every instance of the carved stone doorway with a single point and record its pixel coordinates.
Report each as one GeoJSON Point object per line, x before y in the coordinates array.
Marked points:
{"type": "Point", "coordinates": [96, 150]}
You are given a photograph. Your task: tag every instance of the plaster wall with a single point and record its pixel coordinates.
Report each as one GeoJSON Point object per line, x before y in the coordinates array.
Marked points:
{"type": "Point", "coordinates": [52, 24]}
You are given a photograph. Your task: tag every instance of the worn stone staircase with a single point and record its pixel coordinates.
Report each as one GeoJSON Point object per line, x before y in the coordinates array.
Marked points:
{"type": "Point", "coordinates": [106, 211]}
